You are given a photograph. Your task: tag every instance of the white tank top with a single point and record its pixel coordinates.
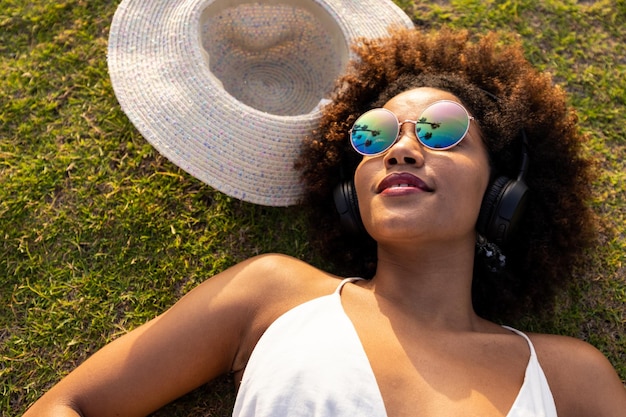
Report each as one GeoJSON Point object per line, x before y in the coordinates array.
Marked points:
{"type": "Point", "coordinates": [310, 362]}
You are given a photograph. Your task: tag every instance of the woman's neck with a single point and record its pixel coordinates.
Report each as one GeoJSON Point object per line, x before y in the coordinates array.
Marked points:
{"type": "Point", "coordinates": [431, 282]}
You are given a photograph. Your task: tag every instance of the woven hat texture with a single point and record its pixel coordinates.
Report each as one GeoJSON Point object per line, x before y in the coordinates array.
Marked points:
{"type": "Point", "coordinates": [227, 89]}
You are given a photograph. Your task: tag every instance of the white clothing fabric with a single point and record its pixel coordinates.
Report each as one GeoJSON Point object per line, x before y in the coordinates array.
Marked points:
{"type": "Point", "coordinates": [535, 397]}
{"type": "Point", "coordinates": [310, 362]}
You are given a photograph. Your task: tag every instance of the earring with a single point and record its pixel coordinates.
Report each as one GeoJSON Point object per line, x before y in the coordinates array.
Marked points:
{"type": "Point", "coordinates": [492, 256]}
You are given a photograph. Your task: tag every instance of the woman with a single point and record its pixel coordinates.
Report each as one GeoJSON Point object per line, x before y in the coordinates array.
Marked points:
{"type": "Point", "coordinates": [414, 339]}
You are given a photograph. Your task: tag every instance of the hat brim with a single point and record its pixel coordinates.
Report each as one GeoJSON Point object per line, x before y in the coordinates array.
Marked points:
{"type": "Point", "coordinates": [162, 80]}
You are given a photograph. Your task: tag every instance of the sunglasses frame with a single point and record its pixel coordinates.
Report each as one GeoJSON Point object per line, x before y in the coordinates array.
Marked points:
{"type": "Point", "coordinates": [415, 123]}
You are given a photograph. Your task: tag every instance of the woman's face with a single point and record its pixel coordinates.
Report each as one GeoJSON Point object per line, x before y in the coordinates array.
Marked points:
{"type": "Point", "coordinates": [414, 192]}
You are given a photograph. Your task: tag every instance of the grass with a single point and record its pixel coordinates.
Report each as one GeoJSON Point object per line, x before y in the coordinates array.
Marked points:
{"type": "Point", "coordinates": [98, 233]}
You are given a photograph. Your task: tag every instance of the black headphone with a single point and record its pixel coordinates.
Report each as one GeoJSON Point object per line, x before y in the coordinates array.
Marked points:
{"type": "Point", "coordinates": [500, 213]}
{"type": "Point", "coordinates": [504, 203]}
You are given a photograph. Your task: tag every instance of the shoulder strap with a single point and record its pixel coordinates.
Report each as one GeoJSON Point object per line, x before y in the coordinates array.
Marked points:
{"type": "Point", "coordinates": [530, 344]}
{"type": "Point", "coordinates": [345, 281]}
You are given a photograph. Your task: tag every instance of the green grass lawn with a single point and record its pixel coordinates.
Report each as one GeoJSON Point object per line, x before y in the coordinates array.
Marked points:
{"type": "Point", "coordinates": [98, 233]}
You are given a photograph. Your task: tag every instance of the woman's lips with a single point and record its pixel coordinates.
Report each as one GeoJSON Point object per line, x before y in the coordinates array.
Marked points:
{"type": "Point", "coordinates": [402, 182]}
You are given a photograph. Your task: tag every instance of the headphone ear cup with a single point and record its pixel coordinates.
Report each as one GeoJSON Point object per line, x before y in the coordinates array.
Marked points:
{"type": "Point", "coordinates": [502, 209]}
{"type": "Point", "coordinates": [347, 206]}
{"type": "Point", "coordinates": [489, 205]}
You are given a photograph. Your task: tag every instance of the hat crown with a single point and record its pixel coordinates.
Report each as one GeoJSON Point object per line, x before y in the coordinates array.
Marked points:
{"type": "Point", "coordinates": [277, 57]}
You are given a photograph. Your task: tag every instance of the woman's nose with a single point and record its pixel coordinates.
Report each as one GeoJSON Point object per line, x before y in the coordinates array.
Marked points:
{"type": "Point", "coordinates": [407, 149]}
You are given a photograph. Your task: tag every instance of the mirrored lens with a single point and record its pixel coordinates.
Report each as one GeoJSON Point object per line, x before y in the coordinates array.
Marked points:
{"type": "Point", "coordinates": [442, 125]}
{"type": "Point", "coordinates": [374, 132]}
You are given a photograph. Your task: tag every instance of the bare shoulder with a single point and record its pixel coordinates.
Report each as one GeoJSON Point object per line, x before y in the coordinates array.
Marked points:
{"type": "Point", "coordinates": [263, 288]}
{"type": "Point", "coordinates": [273, 277]}
{"type": "Point", "coordinates": [582, 380]}
{"type": "Point", "coordinates": [555, 352]}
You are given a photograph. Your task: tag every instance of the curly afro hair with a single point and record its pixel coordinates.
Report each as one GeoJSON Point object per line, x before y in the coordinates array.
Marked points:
{"type": "Point", "coordinates": [558, 224]}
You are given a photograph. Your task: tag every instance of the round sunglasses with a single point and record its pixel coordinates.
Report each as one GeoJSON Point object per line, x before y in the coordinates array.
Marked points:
{"type": "Point", "coordinates": [441, 126]}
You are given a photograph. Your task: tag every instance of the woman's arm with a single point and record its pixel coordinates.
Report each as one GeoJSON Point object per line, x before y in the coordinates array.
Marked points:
{"type": "Point", "coordinates": [196, 340]}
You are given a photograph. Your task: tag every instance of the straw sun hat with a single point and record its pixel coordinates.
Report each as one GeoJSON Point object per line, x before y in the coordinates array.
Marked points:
{"type": "Point", "coordinates": [227, 89]}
